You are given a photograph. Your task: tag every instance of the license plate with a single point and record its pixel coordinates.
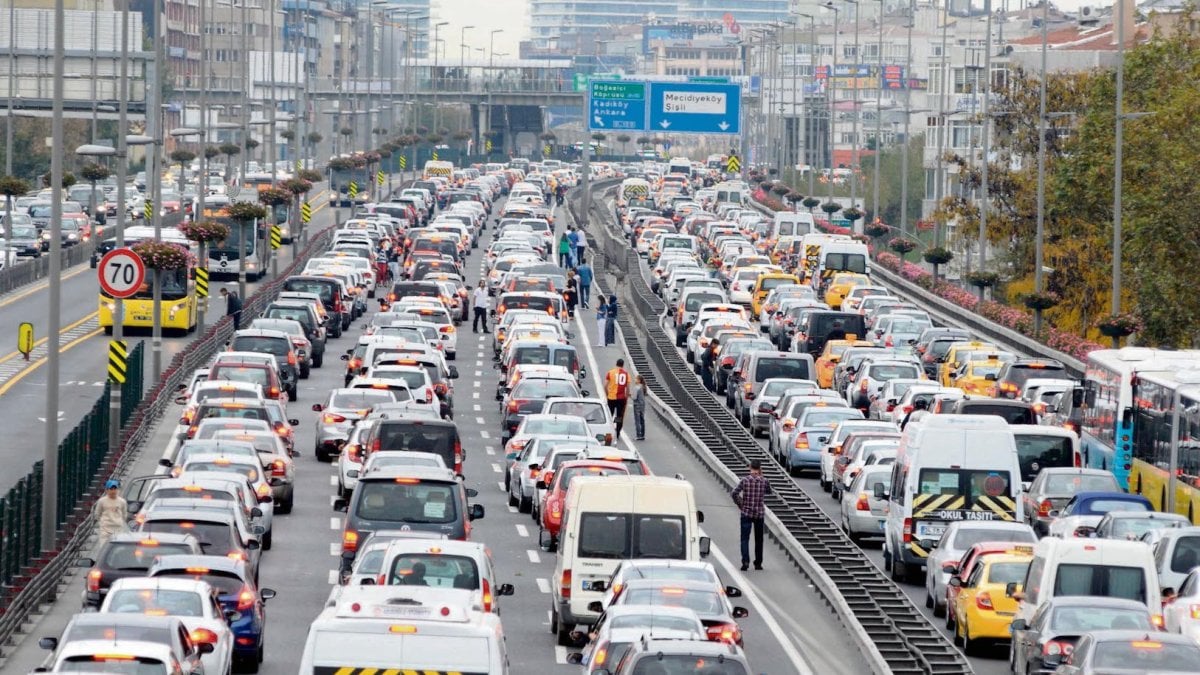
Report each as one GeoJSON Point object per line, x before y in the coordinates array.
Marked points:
{"type": "Point", "coordinates": [930, 530]}
{"type": "Point", "coordinates": [403, 612]}
{"type": "Point", "coordinates": [141, 317]}
{"type": "Point", "coordinates": [586, 585]}
{"type": "Point", "coordinates": [882, 525]}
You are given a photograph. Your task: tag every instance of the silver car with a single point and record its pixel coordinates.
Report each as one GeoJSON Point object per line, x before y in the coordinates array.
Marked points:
{"type": "Point", "coordinates": [340, 411]}
{"type": "Point", "coordinates": [864, 514]}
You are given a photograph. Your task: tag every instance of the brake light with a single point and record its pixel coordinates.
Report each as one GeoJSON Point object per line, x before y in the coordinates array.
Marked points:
{"type": "Point", "coordinates": [93, 580]}
{"type": "Point", "coordinates": [236, 555]}
{"type": "Point", "coordinates": [487, 596]}
{"type": "Point", "coordinates": [514, 406]}
{"type": "Point", "coordinates": [565, 585]}
{"type": "Point", "coordinates": [1056, 648]}
{"type": "Point", "coordinates": [355, 364]}
{"type": "Point", "coordinates": [331, 418]}
{"type": "Point", "coordinates": [273, 392]}
{"type": "Point", "coordinates": [349, 541]}
{"type": "Point", "coordinates": [983, 600]}
{"type": "Point", "coordinates": [801, 441]}
{"type": "Point", "coordinates": [263, 490]}
{"type": "Point", "coordinates": [245, 600]}
{"type": "Point", "coordinates": [725, 632]}
{"type": "Point", "coordinates": [354, 453]}
{"type": "Point", "coordinates": [278, 468]}
{"type": "Point", "coordinates": [908, 530]}
{"type": "Point", "coordinates": [1044, 508]}
{"type": "Point", "coordinates": [1195, 611]}
{"type": "Point", "coordinates": [446, 329]}
{"type": "Point", "coordinates": [862, 387]}
{"type": "Point", "coordinates": [789, 424]}
{"type": "Point", "coordinates": [376, 445]}
{"type": "Point", "coordinates": [862, 504]}
{"type": "Point", "coordinates": [458, 456]}
{"type": "Point", "coordinates": [888, 342]}
{"type": "Point", "coordinates": [1158, 622]}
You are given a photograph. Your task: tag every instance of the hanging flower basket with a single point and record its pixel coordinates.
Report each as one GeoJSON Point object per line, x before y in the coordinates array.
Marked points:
{"type": "Point", "coordinates": [1040, 302]}
{"type": "Point", "coordinates": [11, 186]}
{"type": "Point", "coordinates": [244, 212]}
{"type": "Point", "coordinates": [811, 202]}
{"type": "Point", "coordinates": [297, 186]}
{"type": "Point", "coordinates": [205, 231]}
{"type": "Point", "coordinates": [938, 255]}
{"type": "Point", "coordinates": [831, 207]}
{"type": "Point", "coordinates": [877, 229]}
{"type": "Point", "coordinates": [162, 256]}
{"type": "Point", "coordinates": [314, 137]}
{"type": "Point", "coordinates": [780, 189]}
{"type": "Point", "coordinates": [274, 196]}
{"type": "Point", "coordinates": [309, 175]}
{"type": "Point", "coordinates": [371, 157]}
{"type": "Point", "coordinates": [982, 279]}
{"type": "Point", "coordinates": [793, 196]}
{"type": "Point", "coordinates": [1120, 325]}
{"type": "Point", "coordinates": [461, 136]}
{"type": "Point", "coordinates": [95, 172]}
{"type": "Point", "coordinates": [902, 245]}
{"type": "Point", "coordinates": [852, 214]}
{"type": "Point", "coordinates": [341, 164]}
{"type": "Point", "coordinates": [359, 161]}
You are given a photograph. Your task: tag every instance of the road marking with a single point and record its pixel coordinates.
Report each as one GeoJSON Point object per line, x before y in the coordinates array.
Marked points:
{"type": "Point", "coordinates": [335, 549]}
{"type": "Point", "coordinates": [533, 556]}
{"type": "Point", "coordinates": [496, 468]}
{"type": "Point", "coordinates": [522, 530]}
{"type": "Point", "coordinates": [479, 363]}
{"type": "Point", "coordinates": [333, 481]}
{"type": "Point", "coordinates": [502, 488]}
{"type": "Point", "coordinates": [479, 373]}
{"type": "Point", "coordinates": [484, 434]}
{"type": "Point", "coordinates": [333, 577]}
{"type": "Point", "coordinates": [475, 394]}
{"type": "Point", "coordinates": [478, 408]}
{"type": "Point", "coordinates": [512, 509]}
{"type": "Point", "coordinates": [477, 384]}
{"type": "Point", "coordinates": [61, 415]}
{"type": "Point", "coordinates": [479, 420]}
{"type": "Point", "coordinates": [543, 585]}
{"type": "Point", "coordinates": [490, 450]}
{"type": "Point", "coordinates": [335, 523]}
{"type": "Point", "coordinates": [11, 380]}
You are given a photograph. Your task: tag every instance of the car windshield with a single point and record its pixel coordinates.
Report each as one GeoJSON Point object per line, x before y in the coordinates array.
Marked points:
{"type": "Point", "coordinates": [19, 232]}
{"type": "Point", "coordinates": [973, 484]}
{"type": "Point", "coordinates": [828, 417]}
{"type": "Point", "coordinates": [407, 501]}
{"type": "Point", "coordinates": [1147, 656]}
{"type": "Point", "coordinates": [224, 467]}
{"type": "Point", "coordinates": [1007, 572]}
{"type": "Point", "coordinates": [156, 601]}
{"type": "Point", "coordinates": [434, 569]}
{"type": "Point", "coordinates": [139, 555]}
{"type": "Point", "coordinates": [1086, 618]}
{"type": "Point", "coordinates": [1133, 528]}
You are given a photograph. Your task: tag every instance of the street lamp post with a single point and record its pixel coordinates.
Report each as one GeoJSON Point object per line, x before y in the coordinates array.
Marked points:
{"type": "Point", "coordinates": [462, 73]}
{"type": "Point", "coordinates": [829, 93]}
{"type": "Point", "coordinates": [812, 59]}
{"type": "Point", "coordinates": [1041, 173]}
{"type": "Point", "coordinates": [854, 147]}
{"type": "Point", "coordinates": [878, 121]}
{"type": "Point", "coordinates": [985, 204]}
{"type": "Point", "coordinates": [492, 47]}
{"type": "Point", "coordinates": [912, 16]}
{"type": "Point", "coordinates": [434, 77]}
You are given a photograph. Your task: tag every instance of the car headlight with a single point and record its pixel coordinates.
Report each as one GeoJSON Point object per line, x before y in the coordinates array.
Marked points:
{"type": "Point", "coordinates": [46, 236]}
{"type": "Point", "coordinates": [73, 235]}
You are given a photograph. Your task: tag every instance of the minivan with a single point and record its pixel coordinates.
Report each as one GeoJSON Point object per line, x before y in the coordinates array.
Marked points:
{"type": "Point", "coordinates": [759, 366]}
{"type": "Point", "coordinates": [817, 326]}
{"type": "Point", "coordinates": [426, 499]}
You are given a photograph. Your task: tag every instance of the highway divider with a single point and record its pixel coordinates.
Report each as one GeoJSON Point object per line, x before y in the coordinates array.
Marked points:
{"type": "Point", "coordinates": [891, 633]}
{"type": "Point", "coordinates": [29, 576]}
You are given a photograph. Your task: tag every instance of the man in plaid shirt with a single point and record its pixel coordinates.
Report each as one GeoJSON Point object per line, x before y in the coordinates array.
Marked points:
{"type": "Point", "coordinates": [749, 495]}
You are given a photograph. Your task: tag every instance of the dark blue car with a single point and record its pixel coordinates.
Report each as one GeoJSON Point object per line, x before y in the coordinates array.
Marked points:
{"type": "Point", "coordinates": [1084, 511]}
{"type": "Point", "coordinates": [237, 593]}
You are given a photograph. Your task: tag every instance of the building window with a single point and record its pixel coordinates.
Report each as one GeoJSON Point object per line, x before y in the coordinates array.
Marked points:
{"type": "Point", "coordinates": [847, 138]}
{"type": "Point", "coordinates": [931, 183]}
{"type": "Point", "coordinates": [964, 134]}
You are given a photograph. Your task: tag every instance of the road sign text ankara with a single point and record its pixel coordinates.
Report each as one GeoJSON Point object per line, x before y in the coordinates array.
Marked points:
{"type": "Point", "coordinates": [618, 105]}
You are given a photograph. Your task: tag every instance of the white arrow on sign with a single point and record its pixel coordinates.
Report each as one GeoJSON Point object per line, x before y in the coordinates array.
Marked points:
{"type": "Point", "coordinates": [665, 124]}
{"type": "Point", "coordinates": [599, 120]}
{"type": "Point", "coordinates": [723, 125]}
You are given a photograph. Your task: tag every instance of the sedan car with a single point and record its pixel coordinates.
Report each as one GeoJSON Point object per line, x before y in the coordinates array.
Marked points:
{"type": "Point", "coordinates": [1084, 511]}
{"type": "Point", "coordinates": [1121, 652]}
{"type": "Point", "coordinates": [342, 408]}
{"type": "Point", "coordinates": [944, 560]}
{"type": "Point", "coordinates": [1041, 644]}
{"type": "Point", "coordinates": [864, 514]}
{"type": "Point", "coordinates": [707, 599]}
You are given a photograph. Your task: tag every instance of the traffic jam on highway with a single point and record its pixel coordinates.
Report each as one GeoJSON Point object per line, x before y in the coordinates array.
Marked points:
{"type": "Point", "coordinates": [960, 461]}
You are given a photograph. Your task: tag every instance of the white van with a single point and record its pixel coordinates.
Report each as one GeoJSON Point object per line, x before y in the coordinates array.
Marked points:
{"type": "Point", "coordinates": [811, 246]}
{"type": "Point", "coordinates": [728, 193]}
{"type": "Point", "coordinates": [1109, 568]}
{"type": "Point", "coordinates": [613, 518]}
{"type": "Point", "coordinates": [792, 224]}
{"type": "Point", "coordinates": [681, 165]}
{"type": "Point", "coordinates": [403, 629]}
{"type": "Point", "coordinates": [844, 255]}
{"type": "Point", "coordinates": [948, 468]}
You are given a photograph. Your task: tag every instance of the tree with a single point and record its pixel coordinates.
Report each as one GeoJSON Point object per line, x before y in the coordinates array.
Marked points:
{"type": "Point", "coordinates": [211, 151]}
{"type": "Point", "coordinates": [68, 179]}
{"type": "Point", "coordinates": [314, 137]}
{"type": "Point", "coordinates": [890, 185]}
{"type": "Point", "coordinates": [229, 150]}
{"type": "Point", "coordinates": [182, 157]}
{"type": "Point", "coordinates": [11, 186]}
{"type": "Point", "coordinates": [624, 139]}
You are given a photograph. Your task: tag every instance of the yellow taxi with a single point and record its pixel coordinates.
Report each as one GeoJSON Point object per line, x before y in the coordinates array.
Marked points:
{"type": "Point", "coordinates": [982, 609]}
{"type": "Point", "coordinates": [763, 287]}
{"type": "Point", "coordinates": [978, 378]}
{"type": "Point", "coordinates": [841, 284]}
{"type": "Point", "coordinates": [829, 358]}
{"type": "Point", "coordinates": [954, 355]}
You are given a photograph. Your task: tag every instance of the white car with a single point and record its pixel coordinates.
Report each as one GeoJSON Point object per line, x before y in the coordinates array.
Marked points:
{"type": "Point", "coordinates": [193, 602]}
{"type": "Point", "coordinates": [592, 410]}
{"type": "Point", "coordinates": [440, 317]}
{"type": "Point", "coordinates": [1180, 615]}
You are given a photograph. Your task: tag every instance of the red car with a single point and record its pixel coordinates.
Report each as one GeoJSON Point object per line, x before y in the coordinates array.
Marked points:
{"type": "Point", "coordinates": [555, 484]}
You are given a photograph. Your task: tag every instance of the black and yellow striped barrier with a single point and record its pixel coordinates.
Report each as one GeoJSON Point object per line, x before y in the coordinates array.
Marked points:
{"type": "Point", "coordinates": [276, 237]}
{"type": "Point", "coordinates": [148, 209]}
{"type": "Point", "coordinates": [733, 164]}
{"type": "Point", "coordinates": [403, 162]}
{"type": "Point", "coordinates": [201, 282]}
{"type": "Point", "coordinates": [118, 365]}
{"type": "Point", "coordinates": [305, 212]}
{"type": "Point", "coordinates": [353, 189]}
{"type": "Point", "coordinates": [487, 145]}
{"type": "Point", "coordinates": [380, 178]}
{"type": "Point", "coordinates": [435, 155]}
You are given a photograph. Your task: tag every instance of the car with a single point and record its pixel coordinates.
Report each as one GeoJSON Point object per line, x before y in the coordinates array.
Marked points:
{"type": "Point", "coordinates": [1177, 552]}
{"type": "Point", "coordinates": [237, 591]}
{"type": "Point", "coordinates": [862, 513]}
{"type": "Point", "coordinates": [803, 448]}
{"type": "Point", "coordinates": [1132, 525]}
{"type": "Point", "coordinates": [445, 564]}
{"type": "Point", "coordinates": [984, 605]}
{"type": "Point", "coordinates": [129, 554]}
{"type": "Point", "coordinates": [1086, 509]}
{"type": "Point", "coordinates": [944, 561]}
{"type": "Point", "coordinates": [1130, 651]}
{"type": "Point", "coordinates": [300, 342]}
{"type": "Point", "coordinates": [343, 407]}
{"type": "Point", "coordinates": [195, 603]}
{"type": "Point", "coordinates": [279, 345]}
{"type": "Point", "coordinates": [1040, 645]}
{"type": "Point", "coordinates": [592, 410]}
{"type": "Point", "coordinates": [540, 424]}
{"type": "Point", "coordinates": [620, 627]}
{"type": "Point", "coordinates": [706, 598]}
{"type": "Point", "coordinates": [556, 484]}
{"type": "Point", "coordinates": [529, 395]}
{"type": "Point", "coordinates": [768, 398]}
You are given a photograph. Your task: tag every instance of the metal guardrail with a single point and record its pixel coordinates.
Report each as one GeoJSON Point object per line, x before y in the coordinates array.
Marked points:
{"type": "Point", "coordinates": [29, 576]}
{"type": "Point", "coordinates": [30, 270]}
{"type": "Point", "coordinates": [892, 633]}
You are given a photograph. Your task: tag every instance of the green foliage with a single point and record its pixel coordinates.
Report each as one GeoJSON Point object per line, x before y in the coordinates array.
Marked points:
{"type": "Point", "coordinates": [274, 196]}
{"type": "Point", "coordinates": [211, 151]}
{"type": "Point", "coordinates": [245, 212]}
{"type": "Point", "coordinates": [182, 156]}
{"type": "Point", "coordinates": [314, 137]}
{"type": "Point", "coordinates": [68, 179]}
{"type": "Point", "coordinates": [230, 149]}
{"type": "Point", "coordinates": [288, 135]}
{"type": "Point", "coordinates": [811, 202]}
{"type": "Point", "coordinates": [982, 279]}
{"type": "Point", "coordinates": [890, 184]}
{"type": "Point", "coordinates": [251, 143]}
{"type": "Point", "coordinates": [938, 255]}
{"type": "Point", "coordinates": [92, 172]}
{"type": "Point", "coordinates": [11, 186]}
{"type": "Point", "coordinates": [310, 175]}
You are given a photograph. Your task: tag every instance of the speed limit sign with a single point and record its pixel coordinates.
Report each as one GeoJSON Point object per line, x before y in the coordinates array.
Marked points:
{"type": "Point", "coordinates": [122, 273]}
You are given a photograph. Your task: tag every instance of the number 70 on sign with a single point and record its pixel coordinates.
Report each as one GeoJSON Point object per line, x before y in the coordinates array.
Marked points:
{"type": "Point", "coordinates": [121, 273]}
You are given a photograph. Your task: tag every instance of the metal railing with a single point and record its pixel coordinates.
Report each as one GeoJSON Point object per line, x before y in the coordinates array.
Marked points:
{"type": "Point", "coordinates": [28, 271]}
{"type": "Point", "coordinates": [506, 84]}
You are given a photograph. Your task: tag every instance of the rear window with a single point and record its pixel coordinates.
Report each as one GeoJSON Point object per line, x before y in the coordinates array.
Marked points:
{"type": "Point", "coordinates": [214, 538]}
{"type": "Point", "coordinates": [695, 300]}
{"type": "Point", "coordinates": [259, 376]}
{"type": "Point", "coordinates": [412, 378]}
{"type": "Point", "coordinates": [892, 372]}
{"type": "Point", "coordinates": [1147, 656]}
{"type": "Point", "coordinates": [157, 602]}
{"type": "Point", "coordinates": [621, 536]}
{"type": "Point", "coordinates": [1011, 413]}
{"type": "Point", "coordinates": [431, 569]}
{"type": "Point", "coordinates": [1019, 374]}
{"type": "Point", "coordinates": [230, 412]}
{"type": "Point", "coordinates": [781, 367]}
{"type": "Point", "coordinates": [226, 583]}
{"type": "Point", "coordinates": [262, 345]}
{"type": "Point", "coordinates": [848, 262]}
{"type": "Point", "coordinates": [324, 290]}
{"type": "Point", "coordinates": [136, 556]}
{"type": "Point", "coordinates": [1106, 581]}
{"type": "Point", "coordinates": [532, 389]}
{"type": "Point", "coordinates": [407, 502]}
{"type": "Point", "coordinates": [102, 663]}
{"type": "Point", "coordinates": [438, 439]}
{"type": "Point", "coordinates": [1037, 451]}
{"type": "Point", "coordinates": [1070, 484]}
{"type": "Point", "coordinates": [555, 427]}
{"type": "Point", "coordinates": [1186, 555]}
{"type": "Point", "coordinates": [533, 355]}
{"type": "Point", "coordinates": [362, 399]}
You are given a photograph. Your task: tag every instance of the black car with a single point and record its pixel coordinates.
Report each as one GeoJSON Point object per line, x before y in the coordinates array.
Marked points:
{"type": "Point", "coordinates": [130, 554]}
{"type": "Point", "coordinates": [25, 241]}
{"type": "Point", "coordinates": [277, 344]}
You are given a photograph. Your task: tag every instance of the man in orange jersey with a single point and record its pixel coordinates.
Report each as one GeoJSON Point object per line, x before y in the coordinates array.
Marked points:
{"type": "Point", "coordinates": [616, 387]}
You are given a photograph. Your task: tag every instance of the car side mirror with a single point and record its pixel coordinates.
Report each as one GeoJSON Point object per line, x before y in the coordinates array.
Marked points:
{"type": "Point", "coordinates": [476, 512]}
{"type": "Point", "coordinates": [294, 422]}
{"type": "Point", "coordinates": [232, 615]}
{"type": "Point", "coordinates": [48, 643]}
{"type": "Point", "coordinates": [585, 393]}
{"type": "Point", "coordinates": [595, 606]}
{"type": "Point", "coordinates": [266, 594]}
{"type": "Point", "coordinates": [1054, 513]}
{"type": "Point", "coordinates": [541, 485]}
{"type": "Point", "coordinates": [575, 658]}
{"type": "Point", "coordinates": [205, 647]}
{"type": "Point", "coordinates": [164, 462]}
{"type": "Point", "coordinates": [340, 505]}
{"type": "Point", "coordinates": [317, 407]}
{"type": "Point", "coordinates": [955, 581]}
{"type": "Point", "coordinates": [705, 546]}
{"type": "Point", "coordinates": [181, 399]}
{"type": "Point", "coordinates": [345, 357]}
{"type": "Point", "coordinates": [85, 562]}
{"type": "Point", "coordinates": [256, 512]}
{"type": "Point", "coordinates": [733, 591]}
{"type": "Point", "coordinates": [740, 612]}
{"type": "Point", "coordinates": [1019, 624]}
{"type": "Point", "coordinates": [1010, 589]}
{"type": "Point", "coordinates": [506, 589]}
{"type": "Point", "coordinates": [453, 373]}
{"type": "Point", "coordinates": [1085, 531]}
{"type": "Point", "coordinates": [253, 545]}
{"type": "Point", "coordinates": [472, 492]}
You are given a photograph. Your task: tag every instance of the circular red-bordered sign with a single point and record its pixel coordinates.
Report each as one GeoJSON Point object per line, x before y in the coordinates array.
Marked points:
{"type": "Point", "coordinates": [121, 273]}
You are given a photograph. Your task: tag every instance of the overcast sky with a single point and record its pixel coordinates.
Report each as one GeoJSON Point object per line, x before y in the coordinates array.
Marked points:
{"type": "Point", "coordinates": [485, 15]}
